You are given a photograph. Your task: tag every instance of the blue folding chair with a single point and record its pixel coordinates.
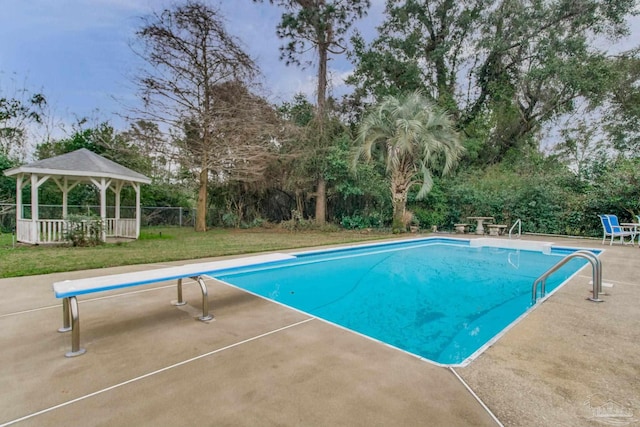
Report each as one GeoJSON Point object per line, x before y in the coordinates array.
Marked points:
{"type": "Point", "coordinates": [612, 228]}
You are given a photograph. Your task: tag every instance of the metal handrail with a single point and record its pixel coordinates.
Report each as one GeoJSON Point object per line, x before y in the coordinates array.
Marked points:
{"type": "Point", "coordinates": [519, 224]}
{"type": "Point", "coordinates": [596, 273]}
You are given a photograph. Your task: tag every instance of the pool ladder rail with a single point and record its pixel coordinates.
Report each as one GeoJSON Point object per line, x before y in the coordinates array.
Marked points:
{"type": "Point", "coordinates": [519, 224]}
{"type": "Point", "coordinates": [596, 274]}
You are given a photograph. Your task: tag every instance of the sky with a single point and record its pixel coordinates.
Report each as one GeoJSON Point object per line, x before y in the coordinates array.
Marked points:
{"type": "Point", "coordinates": [77, 52]}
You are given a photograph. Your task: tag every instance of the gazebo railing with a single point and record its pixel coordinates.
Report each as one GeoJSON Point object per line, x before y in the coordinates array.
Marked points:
{"type": "Point", "coordinates": [121, 227]}
{"type": "Point", "coordinates": [55, 230]}
{"type": "Point", "coordinates": [25, 231]}
{"type": "Point", "coordinates": [51, 230]}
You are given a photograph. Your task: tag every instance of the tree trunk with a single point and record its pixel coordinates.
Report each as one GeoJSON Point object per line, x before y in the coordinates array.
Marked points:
{"type": "Point", "coordinates": [399, 207]}
{"type": "Point", "coordinates": [321, 185]}
{"type": "Point", "coordinates": [201, 210]}
{"type": "Point", "coordinates": [399, 192]}
{"type": "Point", "coordinates": [321, 98]}
{"type": "Point", "coordinates": [321, 202]}
{"type": "Point", "coordinates": [299, 202]}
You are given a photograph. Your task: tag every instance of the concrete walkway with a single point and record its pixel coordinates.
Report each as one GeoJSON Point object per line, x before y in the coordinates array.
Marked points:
{"type": "Point", "coordinates": [570, 362]}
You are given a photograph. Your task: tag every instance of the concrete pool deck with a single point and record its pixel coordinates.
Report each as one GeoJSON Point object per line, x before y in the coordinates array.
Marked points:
{"type": "Point", "coordinates": [570, 362]}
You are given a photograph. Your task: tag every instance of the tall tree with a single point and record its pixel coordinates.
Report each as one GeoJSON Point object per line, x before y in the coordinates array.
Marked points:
{"type": "Point", "coordinates": [291, 171]}
{"type": "Point", "coordinates": [151, 143]}
{"type": "Point", "coordinates": [321, 25]}
{"type": "Point", "coordinates": [504, 68]}
{"type": "Point", "coordinates": [246, 135]}
{"type": "Point", "coordinates": [622, 112]}
{"type": "Point", "coordinates": [582, 147]}
{"type": "Point", "coordinates": [415, 138]}
{"type": "Point", "coordinates": [7, 184]}
{"type": "Point", "coordinates": [422, 45]}
{"type": "Point", "coordinates": [191, 56]}
{"type": "Point", "coordinates": [102, 139]}
{"type": "Point", "coordinates": [17, 112]}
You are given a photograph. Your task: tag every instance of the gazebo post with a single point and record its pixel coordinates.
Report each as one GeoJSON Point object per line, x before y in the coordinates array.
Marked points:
{"type": "Point", "coordinates": [19, 216]}
{"type": "Point", "coordinates": [65, 198]}
{"type": "Point", "coordinates": [117, 191]}
{"type": "Point", "coordinates": [103, 208]}
{"type": "Point", "coordinates": [65, 188]}
{"type": "Point", "coordinates": [103, 185]}
{"type": "Point", "coordinates": [19, 183]}
{"type": "Point", "coordinates": [136, 187]}
{"type": "Point", "coordinates": [34, 209]}
{"type": "Point", "coordinates": [117, 207]}
{"type": "Point", "coordinates": [35, 214]}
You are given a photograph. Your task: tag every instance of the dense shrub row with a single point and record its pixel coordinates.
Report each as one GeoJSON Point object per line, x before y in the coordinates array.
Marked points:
{"type": "Point", "coordinates": [545, 194]}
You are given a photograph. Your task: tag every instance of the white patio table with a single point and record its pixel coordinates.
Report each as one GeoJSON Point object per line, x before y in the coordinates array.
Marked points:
{"type": "Point", "coordinates": [634, 227]}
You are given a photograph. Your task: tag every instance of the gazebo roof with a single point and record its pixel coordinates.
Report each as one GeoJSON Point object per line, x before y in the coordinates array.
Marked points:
{"type": "Point", "coordinates": [83, 164]}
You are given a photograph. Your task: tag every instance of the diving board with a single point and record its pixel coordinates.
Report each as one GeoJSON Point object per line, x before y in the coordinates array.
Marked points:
{"type": "Point", "coordinates": [69, 290]}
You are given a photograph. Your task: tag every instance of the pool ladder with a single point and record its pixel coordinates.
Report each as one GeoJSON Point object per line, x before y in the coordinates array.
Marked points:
{"type": "Point", "coordinates": [519, 224]}
{"type": "Point", "coordinates": [596, 274]}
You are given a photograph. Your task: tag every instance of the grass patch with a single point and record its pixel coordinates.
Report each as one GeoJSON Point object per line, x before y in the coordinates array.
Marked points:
{"type": "Point", "coordinates": [153, 235]}
{"type": "Point", "coordinates": [163, 244]}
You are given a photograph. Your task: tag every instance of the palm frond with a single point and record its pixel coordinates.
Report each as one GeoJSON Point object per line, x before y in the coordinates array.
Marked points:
{"type": "Point", "coordinates": [415, 136]}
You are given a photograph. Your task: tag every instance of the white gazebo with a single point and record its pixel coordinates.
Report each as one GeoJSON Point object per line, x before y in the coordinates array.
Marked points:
{"type": "Point", "coordinates": [67, 171]}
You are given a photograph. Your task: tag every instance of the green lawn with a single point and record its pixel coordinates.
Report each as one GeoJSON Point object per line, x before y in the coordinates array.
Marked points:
{"type": "Point", "coordinates": [163, 244]}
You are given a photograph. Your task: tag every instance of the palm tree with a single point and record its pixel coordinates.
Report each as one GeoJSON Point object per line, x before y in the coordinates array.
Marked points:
{"type": "Point", "coordinates": [415, 137]}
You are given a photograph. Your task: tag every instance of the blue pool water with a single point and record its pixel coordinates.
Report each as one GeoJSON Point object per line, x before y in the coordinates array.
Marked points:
{"type": "Point", "coordinates": [440, 299]}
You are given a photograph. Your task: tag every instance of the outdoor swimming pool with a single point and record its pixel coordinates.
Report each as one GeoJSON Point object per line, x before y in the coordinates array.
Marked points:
{"type": "Point", "coordinates": [440, 299]}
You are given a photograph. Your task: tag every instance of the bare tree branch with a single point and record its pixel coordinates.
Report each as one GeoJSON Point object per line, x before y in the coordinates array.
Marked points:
{"type": "Point", "coordinates": [196, 84]}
